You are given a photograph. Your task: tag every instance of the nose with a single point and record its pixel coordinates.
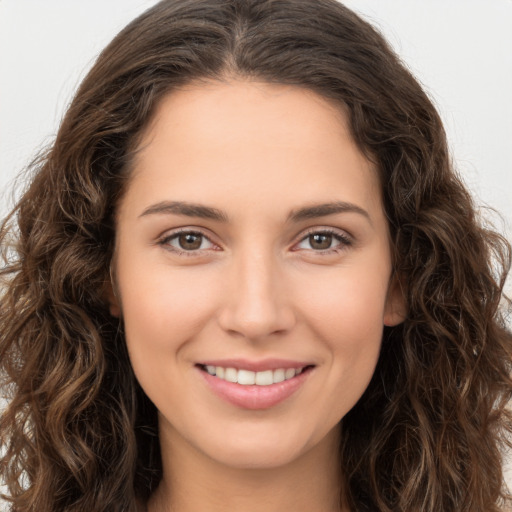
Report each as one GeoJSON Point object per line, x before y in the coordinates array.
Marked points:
{"type": "Point", "coordinates": [255, 302]}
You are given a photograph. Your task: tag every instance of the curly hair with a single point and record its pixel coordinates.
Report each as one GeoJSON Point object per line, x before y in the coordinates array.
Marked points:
{"type": "Point", "coordinates": [78, 433]}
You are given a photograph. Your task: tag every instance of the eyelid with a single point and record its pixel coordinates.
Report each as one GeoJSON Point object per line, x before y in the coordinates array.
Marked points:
{"type": "Point", "coordinates": [342, 236]}
{"type": "Point", "coordinates": [164, 240]}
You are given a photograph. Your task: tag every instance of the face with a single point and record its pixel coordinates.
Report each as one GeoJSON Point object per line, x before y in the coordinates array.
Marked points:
{"type": "Point", "coordinates": [252, 247]}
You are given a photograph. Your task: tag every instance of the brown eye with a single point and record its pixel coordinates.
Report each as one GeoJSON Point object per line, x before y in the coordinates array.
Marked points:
{"type": "Point", "coordinates": [187, 243]}
{"type": "Point", "coordinates": [320, 241]}
{"type": "Point", "coordinates": [325, 242]}
{"type": "Point", "coordinates": [190, 241]}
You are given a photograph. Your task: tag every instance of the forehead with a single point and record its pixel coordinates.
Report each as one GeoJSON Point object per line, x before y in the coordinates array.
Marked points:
{"type": "Point", "coordinates": [230, 113]}
{"type": "Point", "coordinates": [263, 143]}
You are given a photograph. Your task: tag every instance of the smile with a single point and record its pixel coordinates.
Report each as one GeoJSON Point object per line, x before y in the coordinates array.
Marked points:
{"type": "Point", "coordinates": [260, 388]}
{"type": "Point", "coordinates": [249, 378]}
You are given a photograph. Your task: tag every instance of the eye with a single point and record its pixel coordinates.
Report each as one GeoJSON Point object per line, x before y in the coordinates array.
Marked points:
{"type": "Point", "coordinates": [190, 243]}
{"type": "Point", "coordinates": [325, 241]}
{"type": "Point", "coordinates": [186, 242]}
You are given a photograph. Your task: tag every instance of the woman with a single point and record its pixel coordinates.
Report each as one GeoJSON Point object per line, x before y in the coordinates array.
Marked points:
{"type": "Point", "coordinates": [245, 276]}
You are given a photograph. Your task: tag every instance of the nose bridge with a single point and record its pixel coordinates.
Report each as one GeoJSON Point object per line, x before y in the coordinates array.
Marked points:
{"type": "Point", "coordinates": [256, 304]}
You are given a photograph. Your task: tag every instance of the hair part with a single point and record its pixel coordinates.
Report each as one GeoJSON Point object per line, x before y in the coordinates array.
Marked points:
{"type": "Point", "coordinates": [79, 433]}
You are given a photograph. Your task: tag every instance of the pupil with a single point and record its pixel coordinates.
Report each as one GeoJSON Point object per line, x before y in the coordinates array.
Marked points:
{"type": "Point", "coordinates": [190, 241]}
{"type": "Point", "coordinates": [324, 241]}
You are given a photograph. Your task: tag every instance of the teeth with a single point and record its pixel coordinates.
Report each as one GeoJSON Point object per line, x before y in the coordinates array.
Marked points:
{"type": "Point", "coordinates": [231, 375]}
{"type": "Point", "coordinates": [289, 373]}
{"type": "Point", "coordinates": [248, 378]}
{"type": "Point", "coordinates": [264, 378]}
{"type": "Point", "coordinates": [279, 375]}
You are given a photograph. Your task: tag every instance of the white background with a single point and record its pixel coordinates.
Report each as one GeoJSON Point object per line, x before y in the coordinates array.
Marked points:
{"type": "Point", "coordinates": [461, 51]}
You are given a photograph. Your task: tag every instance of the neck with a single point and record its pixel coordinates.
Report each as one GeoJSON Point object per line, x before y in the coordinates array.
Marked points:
{"type": "Point", "coordinates": [193, 481]}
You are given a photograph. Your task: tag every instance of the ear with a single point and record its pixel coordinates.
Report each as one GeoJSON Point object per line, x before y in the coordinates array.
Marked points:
{"type": "Point", "coordinates": [395, 310]}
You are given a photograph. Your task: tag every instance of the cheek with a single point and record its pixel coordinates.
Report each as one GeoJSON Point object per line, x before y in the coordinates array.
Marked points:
{"type": "Point", "coordinates": [345, 313]}
{"type": "Point", "coordinates": [164, 307]}
{"type": "Point", "coordinates": [349, 302]}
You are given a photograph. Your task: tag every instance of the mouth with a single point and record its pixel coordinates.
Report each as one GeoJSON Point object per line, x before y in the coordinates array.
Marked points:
{"type": "Point", "coordinates": [253, 378]}
{"type": "Point", "coordinates": [262, 388]}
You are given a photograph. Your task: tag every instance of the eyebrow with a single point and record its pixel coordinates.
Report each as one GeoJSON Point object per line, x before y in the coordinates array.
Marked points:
{"type": "Point", "coordinates": [187, 209]}
{"type": "Point", "coordinates": [321, 210]}
{"type": "Point", "coordinates": [207, 212]}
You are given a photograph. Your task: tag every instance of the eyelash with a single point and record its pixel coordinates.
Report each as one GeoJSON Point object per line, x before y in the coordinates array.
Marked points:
{"type": "Point", "coordinates": [345, 241]}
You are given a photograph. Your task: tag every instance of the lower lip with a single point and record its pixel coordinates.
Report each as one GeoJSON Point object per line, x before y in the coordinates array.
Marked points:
{"type": "Point", "coordinates": [253, 396]}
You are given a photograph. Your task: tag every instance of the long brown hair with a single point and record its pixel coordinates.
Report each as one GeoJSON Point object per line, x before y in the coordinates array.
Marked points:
{"type": "Point", "coordinates": [78, 433]}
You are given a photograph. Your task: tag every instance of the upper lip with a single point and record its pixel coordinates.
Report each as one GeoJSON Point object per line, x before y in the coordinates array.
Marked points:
{"type": "Point", "coordinates": [255, 366]}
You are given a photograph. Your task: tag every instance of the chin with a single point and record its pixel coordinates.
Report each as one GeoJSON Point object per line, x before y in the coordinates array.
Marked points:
{"type": "Point", "coordinates": [240, 458]}
{"type": "Point", "coordinates": [258, 452]}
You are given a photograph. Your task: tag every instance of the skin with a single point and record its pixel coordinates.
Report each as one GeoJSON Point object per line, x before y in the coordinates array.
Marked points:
{"type": "Point", "coordinates": [258, 286]}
